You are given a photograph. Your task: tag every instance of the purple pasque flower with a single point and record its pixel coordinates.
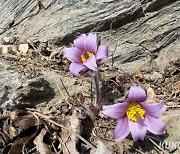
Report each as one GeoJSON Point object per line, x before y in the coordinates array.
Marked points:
{"type": "Point", "coordinates": [85, 53]}
{"type": "Point", "coordinates": [136, 116]}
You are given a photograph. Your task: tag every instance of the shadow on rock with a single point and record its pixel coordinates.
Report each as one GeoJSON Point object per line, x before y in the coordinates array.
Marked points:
{"type": "Point", "coordinates": [33, 92]}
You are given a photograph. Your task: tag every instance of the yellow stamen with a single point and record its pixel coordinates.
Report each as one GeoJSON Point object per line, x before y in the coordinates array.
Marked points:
{"type": "Point", "coordinates": [84, 58]}
{"type": "Point", "coordinates": [134, 110]}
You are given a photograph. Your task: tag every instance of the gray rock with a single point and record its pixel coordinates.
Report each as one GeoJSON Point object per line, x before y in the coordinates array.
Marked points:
{"type": "Point", "coordinates": [8, 80]}
{"type": "Point", "coordinates": [155, 5]}
{"type": "Point", "coordinates": [139, 40]}
{"type": "Point", "coordinates": [33, 92]}
{"type": "Point", "coordinates": [8, 40]}
{"type": "Point", "coordinates": [171, 118]}
{"type": "Point", "coordinates": [139, 43]}
{"type": "Point", "coordinates": [17, 90]}
{"type": "Point", "coordinates": [172, 141]}
{"type": "Point", "coordinates": [61, 21]}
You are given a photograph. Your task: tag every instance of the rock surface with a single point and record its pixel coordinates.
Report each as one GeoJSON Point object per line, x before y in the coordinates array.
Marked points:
{"type": "Point", "coordinates": [8, 80]}
{"type": "Point", "coordinates": [17, 90]}
{"type": "Point", "coordinates": [137, 39]}
{"type": "Point", "coordinates": [139, 43]}
{"type": "Point", "coordinates": [170, 118]}
{"type": "Point", "coordinates": [33, 92]}
{"type": "Point", "coordinates": [62, 21]}
{"type": "Point", "coordinates": [172, 141]}
{"type": "Point", "coordinates": [155, 5]}
{"type": "Point", "coordinates": [51, 87]}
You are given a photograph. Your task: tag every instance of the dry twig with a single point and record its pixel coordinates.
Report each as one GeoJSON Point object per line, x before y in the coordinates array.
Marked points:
{"type": "Point", "coordinates": [59, 125]}
{"type": "Point", "coordinates": [154, 143]}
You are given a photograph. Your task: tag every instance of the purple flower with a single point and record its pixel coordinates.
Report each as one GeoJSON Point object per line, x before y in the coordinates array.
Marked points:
{"type": "Point", "coordinates": [85, 53]}
{"type": "Point", "coordinates": [135, 116]}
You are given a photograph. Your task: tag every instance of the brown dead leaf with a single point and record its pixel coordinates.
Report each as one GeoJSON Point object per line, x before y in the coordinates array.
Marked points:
{"type": "Point", "coordinates": [176, 85]}
{"type": "Point", "coordinates": [17, 146]}
{"type": "Point", "coordinates": [41, 147]}
{"type": "Point", "coordinates": [75, 124]}
{"type": "Point", "coordinates": [24, 122]}
{"type": "Point", "coordinates": [5, 128]}
{"type": "Point", "coordinates": [79, 114]}
{"type": "Point", "coordinates": [4, 114]}
{"type": "Point", "coordinates": [12, 132]}
{"type": "Point", "coordinates": [137, 76]}
{"type": "Point", "coordinates": [138, 73]}
{"type": "Point", "coordinates": [13, 115]}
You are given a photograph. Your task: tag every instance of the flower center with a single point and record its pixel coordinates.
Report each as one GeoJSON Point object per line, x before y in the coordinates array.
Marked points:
{"type": "Point", "coordinates": [85, 58]}
{"type": "Point", "coordinates": [134, 110]}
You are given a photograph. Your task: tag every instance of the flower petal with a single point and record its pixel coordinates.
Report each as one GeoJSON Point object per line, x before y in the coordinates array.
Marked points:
{"type": "Point", "coordinates": [73, 53]}
{"type": "Point", "coordinates": [102, 52]}
{"type": "Point", "coordinates": [79, 42]}
{"type": "Point", "coordinates": [136, 93]}
{"type": "Point", "coordinates": [75, 68]}
{"type": "Point", "coordinates": [155, 110]}
{"type": "Point", "coordinates": [154, 125]}
{"type": "Point", "coordinates": [115, 111]}
{"type": "Point", "coordinates": [138, 129]}
{"type": "Point", "coordinates": [122, 129]}
{"type": "Point", "coordinates": [91, 63]}
{"type": "Point", "coordinates": [90, 43]}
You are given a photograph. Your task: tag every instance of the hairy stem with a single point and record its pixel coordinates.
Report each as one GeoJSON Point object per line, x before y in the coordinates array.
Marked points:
{"type": "Point", "coordinates": [97, 88]}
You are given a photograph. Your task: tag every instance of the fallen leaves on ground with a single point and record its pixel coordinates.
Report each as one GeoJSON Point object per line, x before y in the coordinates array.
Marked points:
{"type": "Point", "coordinates": [41, 147]}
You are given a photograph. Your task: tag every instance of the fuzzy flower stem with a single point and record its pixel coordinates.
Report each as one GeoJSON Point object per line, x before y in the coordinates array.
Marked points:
{"type": "Point", "coordinates": [97, 88]}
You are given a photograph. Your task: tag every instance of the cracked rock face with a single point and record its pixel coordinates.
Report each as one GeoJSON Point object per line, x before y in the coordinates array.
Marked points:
{"type": "Point", "coordinates": [61, 21]}
{"type": "Point", "coordinates": [141, 30]}
{"type": "Point", "coordinates": [139, 43]}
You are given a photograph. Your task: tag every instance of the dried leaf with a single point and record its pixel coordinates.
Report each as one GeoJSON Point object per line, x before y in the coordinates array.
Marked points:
{"type": "Point", "coordinates": [12, 132]}
{"type": "Point", "coordinates": [42, 148]}
{"type": "Point", "coordinates": [176, 85]}
{"type": "Point", "coordinates": [24, 122]}
{"type": "Point", "coordinates": [138, 73]}
{"type": "Point", "coordinates": [2, 143]}
{"type": "Point", "coordinates": [23, 49]}
{"type": "Point", "coordinates": [6, 128]}
{"type": "Point", "coordinates": [3, 49]}
{"type": "Point", "coordinates": [151, 93]}
{"type": "Point", "coordinates": [71, 147]}
{"type": "Point", "coordinates": [8, 49]}
{"type": "Point", "coordinates": [101, 149]}
{"type": "Point", "coordinates": [153, 77]}
{"type": "Point", "coordinates": [76, 126]}
{"type": "Point", "coordinates": [13, 115]}
{"type": "Point", "coordinates": [18, 145]}
{"type": "Point", "coordinates": [79, 114]}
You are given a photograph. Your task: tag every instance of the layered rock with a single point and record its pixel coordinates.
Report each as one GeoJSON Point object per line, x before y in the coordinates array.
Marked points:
{"type": "Point", "coordinates": [61, 21]}
{"type": "Point", "coordinates": [138, 43]}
